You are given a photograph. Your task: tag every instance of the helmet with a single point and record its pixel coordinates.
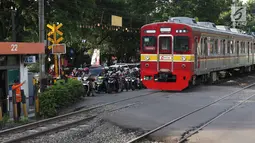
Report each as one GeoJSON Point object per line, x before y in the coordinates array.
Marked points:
{"type": "Point", "coordinates": [86, 70]}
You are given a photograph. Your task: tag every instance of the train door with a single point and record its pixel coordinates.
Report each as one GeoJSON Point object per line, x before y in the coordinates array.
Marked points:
{"type": "Point", "coordinates": [165, 53]}
{"type": "Point", "coordinates": [248, 53]}
{"type": "Point", "coordinates": [201, 55]}
{"type": "Point", "coordinates": [205, 53]}
{"type": "Point", "coordinates": [253, 52]}
{"type": "Point", "coordinates": [196, 49]}
{"type": "Point", "coordinates": [238, 52]}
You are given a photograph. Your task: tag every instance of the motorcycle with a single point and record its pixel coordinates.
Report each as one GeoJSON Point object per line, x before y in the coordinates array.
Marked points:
{"type": "Point", "coordinates": [112, 85]}
{"type": "Point", "coordinates": [101, 84]}
{"type": "Point", "coordinates": [133, 83]}
{"type": "Point", "coordinates": [127, 83]}
{"type": "Point", "coordinates": [88, 86]}
{"type": "Point", "coordinates": [139, 83]}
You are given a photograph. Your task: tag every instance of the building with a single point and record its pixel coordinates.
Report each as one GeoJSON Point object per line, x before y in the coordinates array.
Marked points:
{"type": "Point", "coordinates": [12, 56]}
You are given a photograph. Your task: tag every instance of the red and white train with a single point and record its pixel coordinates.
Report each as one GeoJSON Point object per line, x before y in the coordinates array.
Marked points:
{"type": "Point", "coordinates": [181, 52]}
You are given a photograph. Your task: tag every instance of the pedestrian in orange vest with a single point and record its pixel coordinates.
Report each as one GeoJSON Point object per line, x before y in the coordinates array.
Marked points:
{"type": "Point", "coordinates": [17, 87]}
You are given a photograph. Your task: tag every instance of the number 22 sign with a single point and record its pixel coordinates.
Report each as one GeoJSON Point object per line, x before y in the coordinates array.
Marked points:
{"type": "Point", "coordinates": [14, 47]}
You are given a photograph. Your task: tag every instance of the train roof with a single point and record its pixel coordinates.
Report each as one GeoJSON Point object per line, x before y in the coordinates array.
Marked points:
{"type": "Point", "coordinates": [205, 26]}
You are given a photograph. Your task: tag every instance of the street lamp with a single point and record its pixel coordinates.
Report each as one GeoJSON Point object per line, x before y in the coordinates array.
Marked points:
{"type": "Point", "coordinates": [13, 10]}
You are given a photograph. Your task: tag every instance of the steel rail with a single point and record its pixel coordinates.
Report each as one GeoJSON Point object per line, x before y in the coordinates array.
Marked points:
{"type": "Point", "coordinates": [35, 124]}
{"type": "Point", "coordinates": [75, 123]}
{"type": "Point", "coordinates": [187, 114]}
{"type": "Point", "coordinates": [215, 118]}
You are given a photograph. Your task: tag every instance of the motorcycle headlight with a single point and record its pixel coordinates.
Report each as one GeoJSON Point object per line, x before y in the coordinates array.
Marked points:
{"type": "Point", "coordinates": [85, 78]}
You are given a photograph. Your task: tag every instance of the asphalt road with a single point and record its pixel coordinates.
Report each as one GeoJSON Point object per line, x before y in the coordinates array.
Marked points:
{"type": "Point", "coordinates": [158, 108]}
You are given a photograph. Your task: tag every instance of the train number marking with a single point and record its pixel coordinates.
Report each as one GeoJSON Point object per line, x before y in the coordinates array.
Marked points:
{"type": "Point", "coordinates": [165, 57]}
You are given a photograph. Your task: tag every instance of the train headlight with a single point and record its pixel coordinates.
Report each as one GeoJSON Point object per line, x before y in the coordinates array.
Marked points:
{"type": "Point", "coordinates": [165, 30]}
{"type": "Point", "coordinates": [183, 58]}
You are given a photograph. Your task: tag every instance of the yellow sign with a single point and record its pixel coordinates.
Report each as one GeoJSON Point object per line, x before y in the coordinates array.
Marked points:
{"type": "Point", "coordinates": [51, 40]}
{"type": "Point", "coordinates": [51, 27]}
{"type": "Point", "coordinates": [60, 39]}
{"type": "Point", "coordinates": [59, 32]}
{"type": "Point", "coordinates": [116, 20]}
{"type": "Point", "coordinates": [54, 31]}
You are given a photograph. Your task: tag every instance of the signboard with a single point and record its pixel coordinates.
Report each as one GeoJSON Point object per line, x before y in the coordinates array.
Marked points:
{"type": "Point", "coordinates": [19, 48]}
{"type": "Point", "coordinates": [116, 21]}
{"type": "Point", "coordinates": [95, 60]}
{"type": "Point", "coordinates": [238, 13]}
{"type": "Point", "coordinates": [29, 59]}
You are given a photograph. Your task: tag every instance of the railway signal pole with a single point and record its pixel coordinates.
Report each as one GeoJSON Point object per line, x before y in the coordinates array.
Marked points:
{"type": "Point", "coordinates": [55, 31]}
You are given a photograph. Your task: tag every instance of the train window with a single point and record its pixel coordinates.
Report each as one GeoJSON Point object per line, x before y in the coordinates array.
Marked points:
{"type": "Point", "coordinates": [197, 46]}
{"type": "Point", "coordinates": [242, 47]}
{"type": "Point", "coordinates": [228, 47]}
{"type": "Point", "coordinates": [205, 47]}
{"type": "Point", "coordinates": [232, 47]}
{"type": "Point", "coordinates": [222, 46]}
{"type": "Point", "coordinates": [165, 43]}
{"type": "Point", "coordinates": [253, 47]}
{"type": "Point", "coordinates": [211, 48]}
{"type": "Point", "coordinates": [201, 46]}
{"type": "Point", "coordinates": [181, 44]}
{"type": "Point", "coordinates": [149, 43]}
{"type": "Point", "coordinates": [215, 50]}
{"type": "Point", "coordinates": [237, 47]}
{"type": "Point", "coordinates": [248, 47]}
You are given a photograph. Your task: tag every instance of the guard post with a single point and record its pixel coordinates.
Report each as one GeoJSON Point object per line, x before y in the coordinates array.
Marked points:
{"type": "Point", "coordinates": [24, 106]}
{"type": "Point", "coordinates": [36, 88]}
{"type": "Point", "coordinates": [15, 112]}
{"type": "Point", "coordinates": [1, 111]}
{"type": "Point", "coordinates": [1, 104]}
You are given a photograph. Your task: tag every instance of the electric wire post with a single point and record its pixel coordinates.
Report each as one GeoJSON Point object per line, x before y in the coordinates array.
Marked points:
{"type": "Point", "coordinates": [41, 40]}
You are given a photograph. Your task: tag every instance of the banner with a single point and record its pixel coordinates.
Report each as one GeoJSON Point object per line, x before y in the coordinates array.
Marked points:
{"type": "Point", "coordinates": [95, 60]}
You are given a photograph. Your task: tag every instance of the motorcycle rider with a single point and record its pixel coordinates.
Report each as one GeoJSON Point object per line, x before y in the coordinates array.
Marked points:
{"type": "Point", "coordinates": [116, 76]}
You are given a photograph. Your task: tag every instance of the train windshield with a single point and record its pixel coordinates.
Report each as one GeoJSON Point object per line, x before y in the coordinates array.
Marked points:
{"type": "Point", "coordinates": [165, 44]}
{"type": "Point", "coordinates": [149, 43]}
{"type": "Point", "coordinates": [181, 44]}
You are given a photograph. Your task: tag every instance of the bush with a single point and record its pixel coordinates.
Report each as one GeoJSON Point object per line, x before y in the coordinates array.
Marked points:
{"type": "Point", "coordinates": [60, 95]}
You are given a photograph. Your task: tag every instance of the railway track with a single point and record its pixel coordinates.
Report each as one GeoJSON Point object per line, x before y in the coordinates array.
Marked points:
{"type": "Point", "coordinates": [41, 127]}
{"type": "Point", "coordinates": [184, 138]}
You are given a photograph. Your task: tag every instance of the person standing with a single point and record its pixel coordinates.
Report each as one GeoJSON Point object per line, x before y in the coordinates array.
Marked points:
{"type": "Point", "coordinates": [17, 87]}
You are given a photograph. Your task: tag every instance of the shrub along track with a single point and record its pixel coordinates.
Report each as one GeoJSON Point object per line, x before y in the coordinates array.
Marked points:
{"type": "Point", "coordinates": [190, 133]}
{"type": "Point", "coordinates": [41, 127]}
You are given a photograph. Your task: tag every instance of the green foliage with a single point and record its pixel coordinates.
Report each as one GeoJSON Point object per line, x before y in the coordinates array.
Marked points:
{"type": "Point", "coordinates": [60, 95]}
{"type": "Point", "coordinates": [33, 68]}
{"type": "Point", "coordinates": [47, 102]}
{"type": "Point", "coordinates": [135, 13]}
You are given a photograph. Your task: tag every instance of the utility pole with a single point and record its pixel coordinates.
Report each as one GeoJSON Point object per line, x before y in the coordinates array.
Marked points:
{"type": "Point", "coordinates": [41, 40]}
{"type": "Point", "coordinates": [13, 14]}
